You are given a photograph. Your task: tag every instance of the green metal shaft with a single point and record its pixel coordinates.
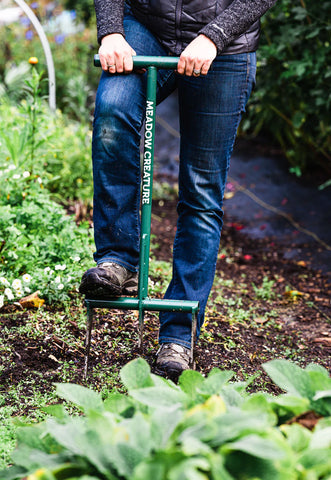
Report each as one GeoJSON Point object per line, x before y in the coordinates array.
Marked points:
{"type": "Point", "coordinates": [147, 182]}
{"type": "Point", "coordinates": [141, 61]}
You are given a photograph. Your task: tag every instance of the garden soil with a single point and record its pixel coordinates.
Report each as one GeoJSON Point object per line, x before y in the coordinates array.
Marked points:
{"type": "Point", "coordinates": [292, 320]}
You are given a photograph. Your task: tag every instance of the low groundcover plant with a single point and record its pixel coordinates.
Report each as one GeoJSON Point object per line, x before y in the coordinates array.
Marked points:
{"type": "Point", "coordinates": [203, 428]}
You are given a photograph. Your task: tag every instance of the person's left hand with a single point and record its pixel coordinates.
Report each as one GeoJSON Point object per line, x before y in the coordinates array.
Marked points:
{"type": "Point", "coordinates": [197, 57]}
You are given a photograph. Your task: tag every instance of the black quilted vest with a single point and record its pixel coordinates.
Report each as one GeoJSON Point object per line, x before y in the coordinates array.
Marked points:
{"type": "Point", "coordinates": [176, 22]}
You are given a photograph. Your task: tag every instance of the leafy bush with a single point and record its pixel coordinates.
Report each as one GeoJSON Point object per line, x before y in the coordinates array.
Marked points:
{"type": "Point", "coordinates": [292, 102]}
{"type": "Point", "coordinates": [204, 428]}
{"type": "Point", "coordinates": [45, 144]}
{"type": "Point", "coordinates": [41, 248]}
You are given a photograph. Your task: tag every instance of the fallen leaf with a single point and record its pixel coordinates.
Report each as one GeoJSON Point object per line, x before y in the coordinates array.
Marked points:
{"type": "Point", "coordinates": [293, 293]}
{"type": "Point", "coordinates": [261, 320]}
{"type": "Point", "coordinates": [324, 340]}
{"type": "Point", "coordinates": [51, 357]}
{"type": "Point", "coordinates": [302, 263]}
{"type": "Point", "coordinates": [32, 301]}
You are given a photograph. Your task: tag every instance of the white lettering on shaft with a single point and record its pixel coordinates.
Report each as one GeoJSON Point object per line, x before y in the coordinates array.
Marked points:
{"type": "Point", "coordinates": [149, 124]}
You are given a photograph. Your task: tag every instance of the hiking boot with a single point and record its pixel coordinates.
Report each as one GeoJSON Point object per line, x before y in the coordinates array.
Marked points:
{"type": "Point", "coordinates": [108, 279]}
{"type": "Point", "coordinates": [172, 359]}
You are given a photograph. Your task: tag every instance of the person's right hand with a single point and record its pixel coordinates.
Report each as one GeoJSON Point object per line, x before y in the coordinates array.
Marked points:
{"type": "Point", "coordinates": [116, 54]}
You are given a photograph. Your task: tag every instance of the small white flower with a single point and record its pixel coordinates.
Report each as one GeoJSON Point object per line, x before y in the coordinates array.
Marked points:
{"type": "Point", "coordinates": [47, 269]}
{"type": "Point", "coordinates": [69, 279]}
{"type": "Point", "coordinates": [11, 167]}
{"type": "Point", "coordinates": [4, 281]}
{"type": "Point", "coordinates": [17, 284]}
{"type": "Point", "coordinates": [57, 279]}
{"type": "Point", "coordinates": [2, 300]}
{"type": "Point", "coordinates": [9, 294]}
{"type": "Point", "coordinates": [26, 174]}
{"type": "Point", "coordinates": [26, 278]}
{"type": "Point", "coordinates": [19, 293]}
{"type": "Point", "coordinates": [16, 176]}
{"type": "Point", "coordinates": [60, 286]}
{"type": "Point", "coordinates": [60, 267]}
{"type": "Point", "coordinates": [39, 180]}
{"type": "Point", "coordinates": [76, 258]}
{"type": "Point", "coordinates": [27, 289]}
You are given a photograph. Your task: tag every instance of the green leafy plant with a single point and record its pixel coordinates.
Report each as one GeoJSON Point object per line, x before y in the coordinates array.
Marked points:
{"type": "Point", "coordinates": [292, 102]}
{"type": "Point", "coordinates": [203, 428]}
{"type": "Point", "coordinates": [37, 237]}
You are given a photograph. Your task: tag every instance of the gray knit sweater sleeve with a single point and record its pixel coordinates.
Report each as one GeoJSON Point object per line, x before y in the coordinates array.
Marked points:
{"type": "Point", "coordinates": [235, 20]}
{"type": "Point", "coordinates": [109, 14]}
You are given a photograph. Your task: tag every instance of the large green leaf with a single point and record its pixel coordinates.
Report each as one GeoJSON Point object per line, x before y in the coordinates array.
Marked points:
{"type": "Point", "coordinates": [257, 446]}
{"type": "Point", "coordinates": [136, 374]}
{"type": "Point", "coordinates": [190, 469]}
{"type": "Point", "coordinates": [189, 381]}
{"type": "Point", "coordinates": [298, 437]}
{"type": "Point", "coordinates": [215, 381]}
{"type": "Point", "coordinates": [156, 397]}
{"type": "Point", "coordinates": [163, 423]}
{"type": "Point", "coordinates": [290, 377]}
{"type": "Point", "coordinates": [83, 397]}
{"type": "Point", "coordinates": [237, 423]}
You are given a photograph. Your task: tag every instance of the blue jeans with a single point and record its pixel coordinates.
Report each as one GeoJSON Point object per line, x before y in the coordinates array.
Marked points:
{"type": "Point", "coordinates": [210, 110]}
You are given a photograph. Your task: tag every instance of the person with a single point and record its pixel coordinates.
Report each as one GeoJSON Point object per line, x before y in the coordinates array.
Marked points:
{"type": "Point", "coordinates": [216, 41]}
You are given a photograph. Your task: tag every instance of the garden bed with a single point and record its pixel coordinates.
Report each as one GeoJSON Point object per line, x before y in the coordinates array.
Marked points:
{"type": "Point", "coordinates": [262, 307]}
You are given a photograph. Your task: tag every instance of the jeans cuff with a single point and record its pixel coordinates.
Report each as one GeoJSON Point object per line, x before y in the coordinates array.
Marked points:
{"type": "Point", "coordinates": [178, 341]}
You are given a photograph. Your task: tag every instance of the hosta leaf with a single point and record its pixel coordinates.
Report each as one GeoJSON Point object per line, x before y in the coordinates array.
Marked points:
{"type": "Point", "coordinates": [319, 461]}
{"type": "Point", "coordinates": [163, 424]}
{"type": "Point", "coordinates": [189, 381]}
{"type": "Point", "coordinates": [83, 397]}
{"type": "Point", "coordinates": [322, 394]}
{"type": "Point", "coordinates": [237, 423]}
{"type": "Point", "coordinates": [15, 472]}
{"type": "Point", "coordinates": [136, 374]}
{"type": "Point", "coordinates": [190, 469]}
{"type": "Point", "coordinates": [120, 404]}
{"type": "Point", "coordinates": [156, 397]}
{"type": "Point", "coordinates": [218, 469]}
{"type": "Point", "coordinates": [215, 381]}
{"type": "Point", "coordinates": [289, 403]}
{"type": "Point", "coordinates": [321, 439]}
{"type": "Point", "coordinates": [149, 471]}
{"type": "Point", "coordinates": [257, 446]}
{"type": "Point", "coordinates": [297, 436]}
{"type": "Point", "coordinates": [290, 377]}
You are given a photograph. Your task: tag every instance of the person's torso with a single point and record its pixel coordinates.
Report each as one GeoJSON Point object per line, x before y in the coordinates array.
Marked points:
{"type": "Point", "coordinates": [176, 22]}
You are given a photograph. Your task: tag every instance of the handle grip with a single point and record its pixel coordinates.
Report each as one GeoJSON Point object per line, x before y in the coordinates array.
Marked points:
{"type": "Point", "coordinates": [142, 61]}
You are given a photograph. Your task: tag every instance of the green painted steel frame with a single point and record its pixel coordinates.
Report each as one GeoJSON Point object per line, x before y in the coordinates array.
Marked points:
{"type": "Point", "coordinates": [142, 303]}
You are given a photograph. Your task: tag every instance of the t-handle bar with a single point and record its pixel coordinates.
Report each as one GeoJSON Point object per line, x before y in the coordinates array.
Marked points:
{"type": "Point", "coordinates": [142, 61]}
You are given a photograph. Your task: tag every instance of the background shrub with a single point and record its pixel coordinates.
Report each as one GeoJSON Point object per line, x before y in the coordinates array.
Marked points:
{"type": "Point", "coordinates": [291, 105]}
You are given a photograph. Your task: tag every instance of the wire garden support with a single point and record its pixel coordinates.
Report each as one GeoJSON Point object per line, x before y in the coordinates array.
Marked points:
{"type": "Point", "coordinates": [48, 54]}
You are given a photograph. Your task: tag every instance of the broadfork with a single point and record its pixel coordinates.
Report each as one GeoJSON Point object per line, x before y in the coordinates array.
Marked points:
{"type": "Point", "coordinates": [142, 302]}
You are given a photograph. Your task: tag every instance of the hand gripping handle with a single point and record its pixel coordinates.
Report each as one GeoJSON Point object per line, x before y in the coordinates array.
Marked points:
{"type": "Point", "coordinates": [142, 61]}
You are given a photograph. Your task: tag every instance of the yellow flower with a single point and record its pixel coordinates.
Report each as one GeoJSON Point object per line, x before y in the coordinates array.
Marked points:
{"type": "Point", "coordinates": [33, 60]}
